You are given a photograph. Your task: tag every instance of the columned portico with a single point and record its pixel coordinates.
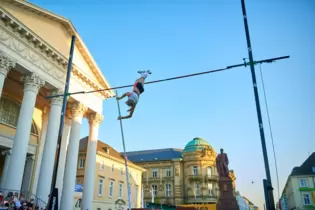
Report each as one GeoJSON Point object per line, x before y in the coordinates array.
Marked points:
{"type": "Point", "coordinates": [78, 111]}
{"type": "Point", "coordinates": [32, 84]}
{"type": "Point", "coordinates": [26, 46]}
{"type": "Point", "coordinates": [7, 155]}
{"type": "Point", "coordinates": [6, 64]}
{"type": "Point", "coordinates": [47, 165]}
{"type": "Point", "coordinates": [88, 187]}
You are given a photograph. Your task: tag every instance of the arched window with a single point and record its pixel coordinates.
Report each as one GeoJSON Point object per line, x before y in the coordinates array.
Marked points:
{"type": "Point", "coordinates": [9, 113]}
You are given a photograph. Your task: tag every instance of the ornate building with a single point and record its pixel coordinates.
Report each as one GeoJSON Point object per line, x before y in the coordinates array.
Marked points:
{"type": "Point", "coordinates": [177, 177]}
{"type": "Point", "coordinates": [109, 178]}
{"type": "Point", "coordinates": [34, 51]}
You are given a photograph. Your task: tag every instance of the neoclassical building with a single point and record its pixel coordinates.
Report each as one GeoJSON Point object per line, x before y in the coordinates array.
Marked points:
{"type": "Point", "coordinates": [110, 190]}
{"type": "Point", "coordinates": [34, 50]}
{"type": "Point", "coordinates": [180, 176]}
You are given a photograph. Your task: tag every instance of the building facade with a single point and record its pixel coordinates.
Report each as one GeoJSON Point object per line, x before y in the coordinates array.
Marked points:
{"type": "Point", "coordinates": [250, 204]}
{"type": "Point", "coordinates": [179, 176]}
{"type": "Point", "coordinates": [242, 202]}
{"type": "Point", "coordinates": [299, 190]}
{"type": "Point", "coordinates": [110, 186]}
{"type": "Point", "coordinates": [34, 50]}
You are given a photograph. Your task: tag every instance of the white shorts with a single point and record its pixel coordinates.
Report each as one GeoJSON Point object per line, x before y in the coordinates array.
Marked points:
{"type": "Point", "coordinates": [134, 97]}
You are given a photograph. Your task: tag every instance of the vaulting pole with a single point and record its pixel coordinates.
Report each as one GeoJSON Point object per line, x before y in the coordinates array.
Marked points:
{"type": "Point", "coordinates": [53, 197]}
{"type": "Point", "coordinates": [269, 187]}
{"type": "Point", "coordinates": [125, 154]}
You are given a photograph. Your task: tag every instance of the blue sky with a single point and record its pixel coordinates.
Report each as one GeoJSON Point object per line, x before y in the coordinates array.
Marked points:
{"type": "Point", "coordinates": [172, 38]}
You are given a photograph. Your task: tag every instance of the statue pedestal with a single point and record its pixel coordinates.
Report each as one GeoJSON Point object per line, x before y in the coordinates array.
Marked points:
{"type": "Point", "coordinates": [227, 200]}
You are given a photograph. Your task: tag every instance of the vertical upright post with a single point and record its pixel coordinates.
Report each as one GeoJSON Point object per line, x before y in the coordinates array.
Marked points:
{"type": "Point", "coordinates": [125, 154]}
{"type": "Point", "coordinates": [53, 197]}
{"type": "Point", "coordinates": [265, 184]}
{"type": "Point", "coordinates": [260, 122]}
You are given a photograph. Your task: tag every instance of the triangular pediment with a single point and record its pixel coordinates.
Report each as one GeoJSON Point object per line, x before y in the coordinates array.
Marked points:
{"type": "Point", "coordinates": [57, 32]}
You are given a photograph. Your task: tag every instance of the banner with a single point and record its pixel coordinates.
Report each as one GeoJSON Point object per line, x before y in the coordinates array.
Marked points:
{"type": "Point", "coordinates": [78, 188]}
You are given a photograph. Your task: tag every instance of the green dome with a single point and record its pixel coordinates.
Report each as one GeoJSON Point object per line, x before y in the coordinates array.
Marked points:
{"type": "Point", "coordinates": [195, 145]}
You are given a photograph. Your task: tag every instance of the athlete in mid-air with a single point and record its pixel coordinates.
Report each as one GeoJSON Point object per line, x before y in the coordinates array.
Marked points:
{"type": "Point", "coordinates": [133, 97]}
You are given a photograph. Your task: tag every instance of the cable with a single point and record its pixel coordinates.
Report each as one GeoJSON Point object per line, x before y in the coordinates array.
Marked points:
{"type": "Point", "coordinates": [271, 135]}
{"type": "Point", "coordinates": [270, 60]}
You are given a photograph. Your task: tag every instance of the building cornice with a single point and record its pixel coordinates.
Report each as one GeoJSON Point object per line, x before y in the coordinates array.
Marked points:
{"type": "Point", "coordinates": [52, 55]}
{"type": "Point", "coordinates": [130, 164]}
{"type": "Point", "coordinates": [71, 29]}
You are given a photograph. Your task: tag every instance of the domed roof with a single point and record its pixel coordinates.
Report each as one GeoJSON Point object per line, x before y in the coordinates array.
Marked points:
{"type": "Point", "coordinates": [197, 144]}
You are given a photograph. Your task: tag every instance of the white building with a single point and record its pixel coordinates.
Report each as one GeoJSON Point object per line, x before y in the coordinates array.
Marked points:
{"type": "Point", "coordinates": [299, 190]}
{"type": "Point", "coordinates": [34, 50]}
{"type": "Point", "coordinates": [110, 178]}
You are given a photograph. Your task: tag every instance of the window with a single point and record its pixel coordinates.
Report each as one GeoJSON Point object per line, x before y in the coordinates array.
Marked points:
{"type": "Point", "coordinates": [9, 113]}
{"type": "Point", "coordinates": [113, 167]}
{"type": "Point", "coordinates": [306, 199]}
{"type": "Point", "coordinates": [111, 188]}
{"type": "Point", "coordinates": [210, 189]}
{"type": "Point", "coordinates": [100, 186]}
{"type": "Point", "coordinates": [154, 172]}
{"type": "Point", "coordinates": [81, 163]}
{"type": "Point", "coordinates": [197, 189]}
{"type": "Point", "coordinates": [168, 190]}
{"type": "Point", "coordinates": [209, 171]}
{"type": "Point", "coordinates": [154, 189]}
{"type": "Point", "coordinates": [303, 183]}
{"type": "Point", "coordinates": [168, 172]}
{"type": "Point", "coordinates": [120, 190]}
{"type": "Point", "coordinates": [102, 166]}
{"type": "Point", "coordinates": [121, 171]}
{"type": "Point", "coordinates": [195, 170]}
{"type": "Point", "coordinates": [313, 168]}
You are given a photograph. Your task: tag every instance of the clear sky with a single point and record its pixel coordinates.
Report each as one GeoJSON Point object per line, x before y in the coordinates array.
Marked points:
{"type": "Point", "coordinates": [173, 38]}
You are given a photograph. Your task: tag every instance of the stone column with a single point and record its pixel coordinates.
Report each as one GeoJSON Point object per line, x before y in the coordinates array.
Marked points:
{"type": "Point", "coordinates": [45, 115]}
{"type": "Point", "coordinates": [32, 84]}
{"type": "Point", "coordinates": [7, 154]}
{"type": "Point", "coordinates": [49, 154]}
{"type": "Point", "coordinates": [95, 120]}
{"type": "Point", "coordinates": [6, 64]}
{"type": "Point", "coordinates": [27, 178]}
{"type": "Point", "coordinates": [78, 110]}
{"type": "Point", "coordinates": [62, 157]}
